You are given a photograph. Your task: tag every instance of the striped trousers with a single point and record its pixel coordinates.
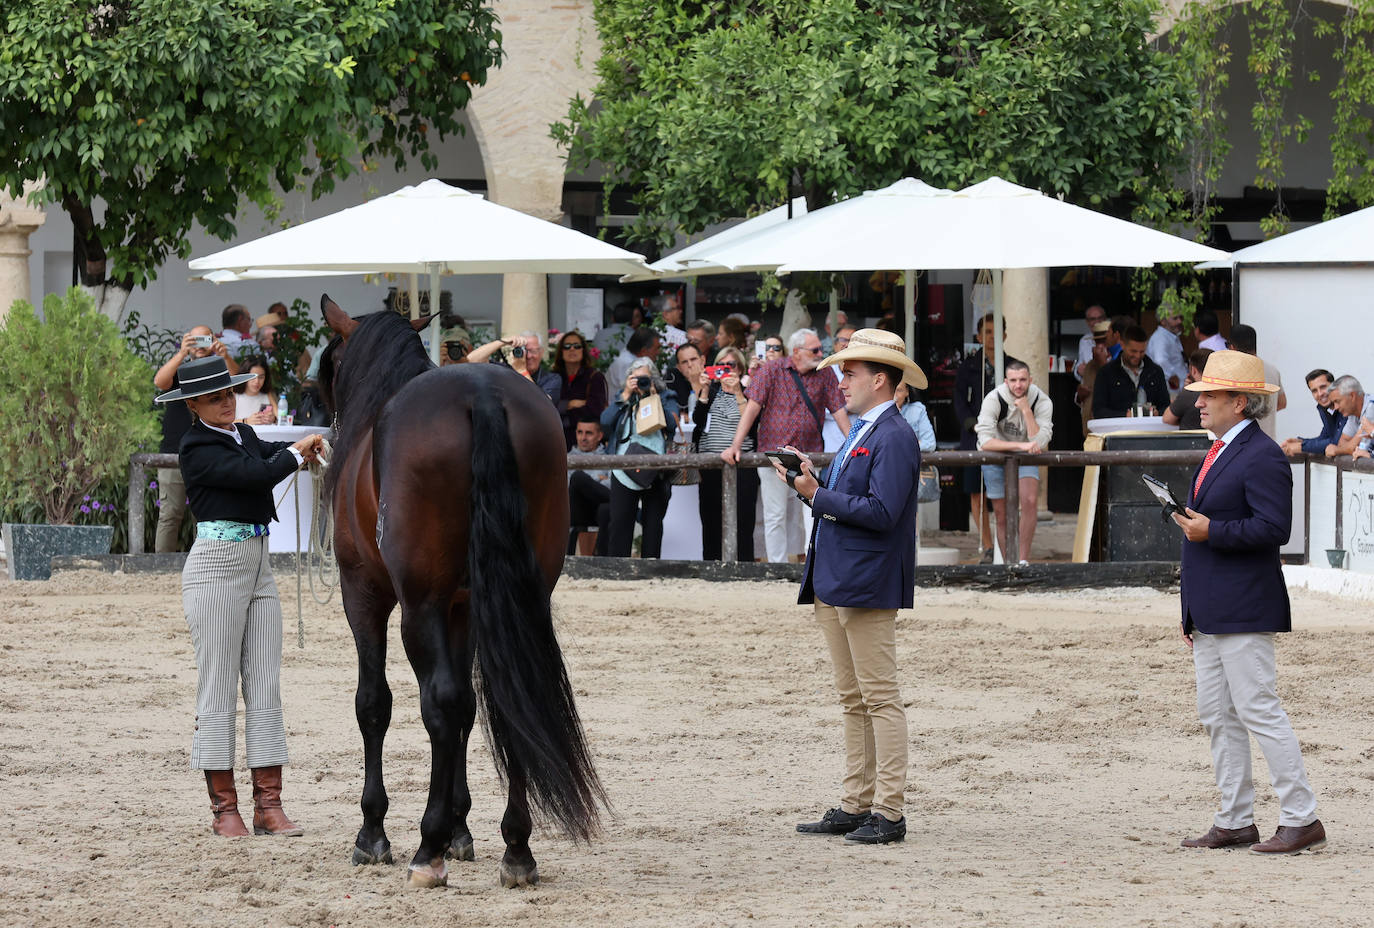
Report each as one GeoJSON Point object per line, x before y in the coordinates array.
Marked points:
{"type": "Point", "coordinates": [234, 614]}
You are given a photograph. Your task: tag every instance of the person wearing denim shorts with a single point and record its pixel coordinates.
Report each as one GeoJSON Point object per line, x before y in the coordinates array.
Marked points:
{"type": "Point", "coordinates": [1015, 417]}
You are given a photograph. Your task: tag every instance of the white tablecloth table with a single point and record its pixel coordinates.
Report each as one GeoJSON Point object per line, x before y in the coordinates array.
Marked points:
{"type": "Point", "coordinates": [282, 535]}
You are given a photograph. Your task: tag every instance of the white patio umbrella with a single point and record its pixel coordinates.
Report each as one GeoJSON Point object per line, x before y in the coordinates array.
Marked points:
{"type": "Point", "coordinates": [431, 228]}
{"type": "Point", "coordinates": [700, 257]}
{"type": "Point", "coordinates": [993, 224]}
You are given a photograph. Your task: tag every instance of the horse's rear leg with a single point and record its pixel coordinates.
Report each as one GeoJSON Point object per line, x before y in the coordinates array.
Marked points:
{"type": "Point", "coordinates": [461, 848]}
{"type": "Point", "coordinates": [367, 616]}
{"type": "Point", "coordinates": [517, 866]}
{"type": "Point", "coordinates": [424, 630]}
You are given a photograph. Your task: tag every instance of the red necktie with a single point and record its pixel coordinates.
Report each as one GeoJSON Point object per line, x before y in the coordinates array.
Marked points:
{"type": "Point", "coordinates": [1207, 464]}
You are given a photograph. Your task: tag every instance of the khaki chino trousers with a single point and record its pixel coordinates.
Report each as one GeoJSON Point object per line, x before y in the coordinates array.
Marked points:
{"type": "Point", "coordinates": [863, 651]}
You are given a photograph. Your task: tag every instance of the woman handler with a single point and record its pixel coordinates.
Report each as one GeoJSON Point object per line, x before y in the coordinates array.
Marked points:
{"type": "Point", "coordinates": [229, 595]}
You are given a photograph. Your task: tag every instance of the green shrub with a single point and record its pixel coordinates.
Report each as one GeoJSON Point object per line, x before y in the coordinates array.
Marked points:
{"type": "Point", "coordinates": [75, 402]}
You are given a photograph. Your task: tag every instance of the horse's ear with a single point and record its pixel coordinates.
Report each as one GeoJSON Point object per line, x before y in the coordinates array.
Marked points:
{"type": "Point", "coordinates": [422, 323]}
{"type": "Point", "coordinates": [341, 322]}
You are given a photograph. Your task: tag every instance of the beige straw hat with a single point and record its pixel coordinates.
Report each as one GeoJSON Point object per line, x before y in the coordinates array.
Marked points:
{"type": "Point", "coordinates": [268, 319]}
{"type": "Point", "coordinates": [883, 347]}
{"type": "Point", "coordinates": [1233, 372]}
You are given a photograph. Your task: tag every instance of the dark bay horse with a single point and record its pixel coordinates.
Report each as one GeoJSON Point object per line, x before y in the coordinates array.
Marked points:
{"type": "Point", "coordinates": [449, 497]}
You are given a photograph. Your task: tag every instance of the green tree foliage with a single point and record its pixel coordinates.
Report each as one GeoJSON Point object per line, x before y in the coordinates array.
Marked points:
{"type": "Point", "coordinates": [145, 116]}
{"type": "Point", "coordinates": [710, 108]}
{"type": "Point", "coordinates": [74, 404]}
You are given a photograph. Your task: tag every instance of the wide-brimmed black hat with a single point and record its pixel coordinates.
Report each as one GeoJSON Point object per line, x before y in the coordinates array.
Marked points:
{"type": "Point", "coordinates": [202, 376]}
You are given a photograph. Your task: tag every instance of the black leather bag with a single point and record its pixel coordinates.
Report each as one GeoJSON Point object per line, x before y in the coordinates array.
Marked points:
{"type": "Point", "coordinates": [643, 478]}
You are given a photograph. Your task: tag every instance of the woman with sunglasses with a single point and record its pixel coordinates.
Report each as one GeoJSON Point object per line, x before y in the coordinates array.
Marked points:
{"type": "Point", "coordinates": [229, 595]}
{"type": "Point", "coordinates": [717, 417]}
{"type": "Point", "coordinates": [584, 387]}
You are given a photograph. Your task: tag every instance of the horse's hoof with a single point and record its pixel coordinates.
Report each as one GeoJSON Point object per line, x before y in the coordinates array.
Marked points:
{"type": "Point", "coordinates": [427, 876]}
{"type": "Point", "coordinates": [460, 848]}
{"type": "Point", "coordinates": [379, 855]}
{"type": "Point", "coordinates": [513, 875]}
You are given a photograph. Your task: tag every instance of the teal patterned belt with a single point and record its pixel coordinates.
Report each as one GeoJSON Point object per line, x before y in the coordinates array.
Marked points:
{"type": "Point", "coordinates": [224, 530]}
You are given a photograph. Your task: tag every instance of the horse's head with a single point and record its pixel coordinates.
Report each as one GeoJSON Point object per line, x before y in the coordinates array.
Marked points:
{"type": "Point", "coordinates": [332, 359]}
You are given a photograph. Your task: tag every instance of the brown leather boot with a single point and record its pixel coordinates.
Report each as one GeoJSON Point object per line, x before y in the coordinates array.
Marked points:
{"type": "Point", "coordinates": [224, 802]}
{"type": "Point", "coordinates": [268, 817]}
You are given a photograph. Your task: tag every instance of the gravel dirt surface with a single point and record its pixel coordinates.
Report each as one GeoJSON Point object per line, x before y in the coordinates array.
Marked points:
{"type": "Point", "coordinates": [1056, 762]}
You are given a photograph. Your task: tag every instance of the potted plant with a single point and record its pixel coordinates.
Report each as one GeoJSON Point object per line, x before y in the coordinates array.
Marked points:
{"type": "Point", "coordinates": [75, 402]}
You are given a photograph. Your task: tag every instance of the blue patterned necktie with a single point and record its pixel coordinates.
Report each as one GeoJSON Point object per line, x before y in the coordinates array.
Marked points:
{"type": "Point", "coordinates": [840, 457]}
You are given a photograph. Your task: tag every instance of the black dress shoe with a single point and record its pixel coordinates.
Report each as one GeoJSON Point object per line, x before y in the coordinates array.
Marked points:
{"type": "Point", "coordinates": [878, 830]}
{"type": "Point", "coordinates": [834, 822]}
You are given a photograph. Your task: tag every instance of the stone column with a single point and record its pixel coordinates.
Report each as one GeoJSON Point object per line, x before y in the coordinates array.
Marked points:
{"type": "Point", "coordinates": [18, 221]}
{"type": "Point", "coordinates": [551, 48]}
{"type": "Point", "coordinates": [1026, 311]}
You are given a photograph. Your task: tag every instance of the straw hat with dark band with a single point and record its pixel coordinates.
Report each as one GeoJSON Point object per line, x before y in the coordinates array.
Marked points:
{"type": "Point", "coordinates": [884, 348]}
{"type": "Point", "coordinates": [1233, 372]}
{"type": "Point", "coordinates": [202, 376]}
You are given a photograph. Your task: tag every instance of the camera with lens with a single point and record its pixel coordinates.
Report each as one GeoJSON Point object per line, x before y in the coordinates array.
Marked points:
{"type": "Point", "coordinates": [643, 383]}
{"type": "Point", "coordinates": [517, 351]}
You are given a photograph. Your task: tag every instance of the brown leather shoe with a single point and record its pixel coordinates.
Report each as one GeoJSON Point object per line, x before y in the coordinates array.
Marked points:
{"type": "Point", "coordinates": [1293, 839]}
{"type": "Point", "coordinates": [1225, 837]}
{"type": "Point", "coordinates": [224, 803]}
{"type": "Point", "coordinates": [268, 817]}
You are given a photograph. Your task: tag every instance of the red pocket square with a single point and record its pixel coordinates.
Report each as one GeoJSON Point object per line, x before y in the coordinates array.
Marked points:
{"type": "Point", "coordinates": [859, 452]}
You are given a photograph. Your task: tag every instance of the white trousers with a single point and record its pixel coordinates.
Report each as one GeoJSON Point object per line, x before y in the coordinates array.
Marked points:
{"type": "Point", "coordinates": [786, 520]}
{"type": "Point", "coordinates": [1237, 697]}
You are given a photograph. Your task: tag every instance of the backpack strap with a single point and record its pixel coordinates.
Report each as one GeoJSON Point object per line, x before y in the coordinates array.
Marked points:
{"type": "Point", "coordinates": [806, 398]}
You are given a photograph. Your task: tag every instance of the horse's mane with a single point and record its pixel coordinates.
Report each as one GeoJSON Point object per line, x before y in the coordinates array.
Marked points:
{"type": "Point", "coordinates": [382, 355]}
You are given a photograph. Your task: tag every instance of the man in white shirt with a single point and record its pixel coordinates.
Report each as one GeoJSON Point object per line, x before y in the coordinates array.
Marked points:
{"type": "Point", "coordinates": [1092, 316]}
{"type": "Point", "coordinates": [237, 324]}
{"type": "Point", "coordinates": [1165, 348]}
{"type": "Point", "coordinates": [674, 335]}
{"type": "Point", "coordinates": [1208, 331]}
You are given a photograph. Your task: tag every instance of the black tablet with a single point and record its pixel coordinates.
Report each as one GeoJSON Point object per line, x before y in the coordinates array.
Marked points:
{"type": "Point", "coordinates": [1161, 492]}
{"type": "Point", "coordinates": [787, 459]}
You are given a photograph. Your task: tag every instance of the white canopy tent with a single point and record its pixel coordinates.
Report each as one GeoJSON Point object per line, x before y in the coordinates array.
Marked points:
{"type": "Point", "coordinates": [698, 257]}
{"type": "Point", "coordinates": [431, 228]}
{"type": "Point", "coordinates": [1309, 294]}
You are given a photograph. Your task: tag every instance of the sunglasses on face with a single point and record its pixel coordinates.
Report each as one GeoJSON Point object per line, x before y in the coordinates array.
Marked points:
{"type": "Point", "coordinates": [219, 397]}
{"type": "Point", "coordinates": [841, 341]}
{"type": "Point", "coordinates": [771, 347]}
{"type": "Point", "coordinates": [572, 346]}
{"type": "Point", "coordinates": [817, 350]}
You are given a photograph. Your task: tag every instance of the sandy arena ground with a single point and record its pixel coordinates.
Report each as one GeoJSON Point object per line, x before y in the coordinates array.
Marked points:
{"type": "Point", "coordinates": [1056, 763]}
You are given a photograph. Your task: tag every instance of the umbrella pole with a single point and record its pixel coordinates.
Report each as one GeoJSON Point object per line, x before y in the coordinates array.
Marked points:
{"type": "Point", "coordinates": [434, 313]}
{"type": "Point", "coordinates": [909, 309]}
{"type": "Point", "coordinates": [414, 291]}
{"type": "Point", "coordinates": [999, 354]}
{"type": "Point", "coordinates": [833, 318]}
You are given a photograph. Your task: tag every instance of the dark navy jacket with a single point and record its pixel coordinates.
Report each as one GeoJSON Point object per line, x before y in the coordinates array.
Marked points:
{"type": "Point", "coordinates": [226, 480]}
{"type": "Point", "coordinates": [865, 528]}
{"type": "Point", "coordinates": [1233, 581]}
{"type": "Point", "coordinates": [1332, 423]}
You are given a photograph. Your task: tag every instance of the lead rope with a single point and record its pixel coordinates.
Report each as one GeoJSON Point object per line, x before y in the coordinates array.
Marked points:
{"type": "Point", "coordinates": [320, 562]}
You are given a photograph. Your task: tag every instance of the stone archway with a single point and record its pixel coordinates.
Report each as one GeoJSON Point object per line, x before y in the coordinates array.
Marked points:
{"type": "Point", "coordinates": [18, 220]}
{"type": "Point", "coordinates": [551, 47]}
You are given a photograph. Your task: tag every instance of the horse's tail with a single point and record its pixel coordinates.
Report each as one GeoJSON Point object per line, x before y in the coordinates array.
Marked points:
{"type": "Point", "coordinates": [529, 715]}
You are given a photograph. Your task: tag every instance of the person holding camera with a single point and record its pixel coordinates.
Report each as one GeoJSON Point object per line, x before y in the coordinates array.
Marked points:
{"type": "Point", "coordinates": [716, 416]}
{"type": "Point", "coordinates": [640, 421]}
{"type": "Point", "coordinates": [199, 342]}
{"type": "Point", "coordinates": [229, 595]}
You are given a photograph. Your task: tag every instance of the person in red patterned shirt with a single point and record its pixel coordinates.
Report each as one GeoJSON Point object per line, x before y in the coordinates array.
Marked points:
{"type": "Point", "coordinates": [787, 416]}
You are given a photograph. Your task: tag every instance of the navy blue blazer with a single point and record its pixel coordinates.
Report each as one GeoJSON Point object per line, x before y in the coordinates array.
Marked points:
{"type": "Point", "coordinates": [1233, 581]}
{"type": "Point", "coordinates": [865, 528]}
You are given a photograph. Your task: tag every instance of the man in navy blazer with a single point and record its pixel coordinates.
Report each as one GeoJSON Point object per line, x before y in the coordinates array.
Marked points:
{"type": "Point", "coordinates": [860, 569]}
{"type": "Point", "coordinates": [1234, 599]}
